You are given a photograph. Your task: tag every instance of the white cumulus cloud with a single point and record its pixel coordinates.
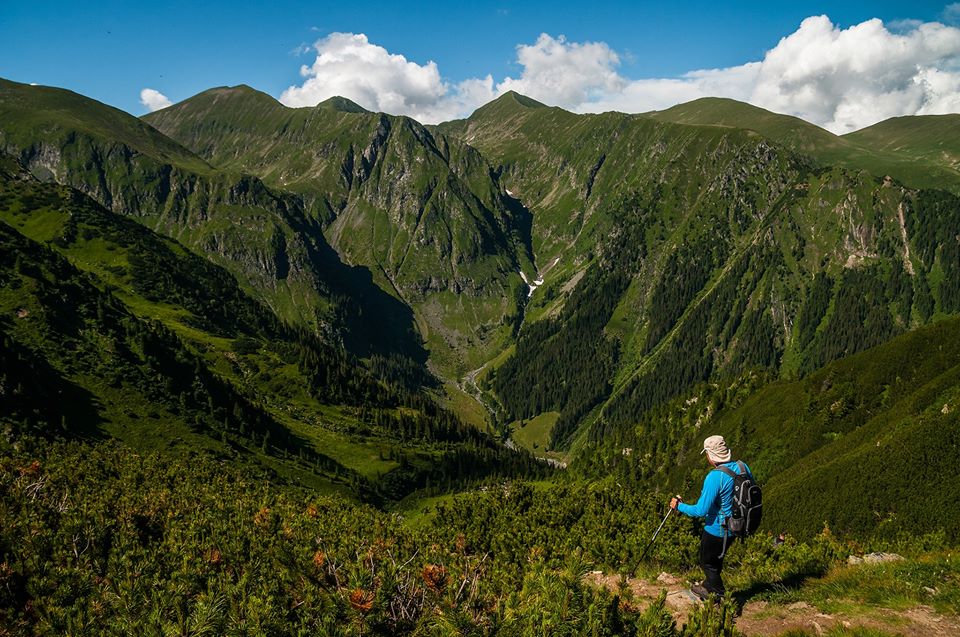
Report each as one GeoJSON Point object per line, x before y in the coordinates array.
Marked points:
{"type": "Point", "coordinates": [154, 100]}
{"type": "Point", "coordinates": [348, 65]}
{"type": "Point", "coordinates": [840, 78]}
{"type": "Point", "coordinates": [565, 73]}
{"type": "Point", "coordinates": [844, 79]}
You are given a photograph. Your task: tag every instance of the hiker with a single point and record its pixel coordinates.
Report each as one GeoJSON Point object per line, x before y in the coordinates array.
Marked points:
{"type": "Point", "coordinates": [715, 506]}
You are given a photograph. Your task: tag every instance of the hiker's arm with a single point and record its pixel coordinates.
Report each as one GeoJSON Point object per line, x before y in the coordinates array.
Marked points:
{"type": "Point", "coordinates": [711, 487]}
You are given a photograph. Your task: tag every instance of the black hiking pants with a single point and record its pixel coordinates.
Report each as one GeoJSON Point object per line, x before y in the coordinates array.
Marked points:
{"type": "Point", "coordinates": [711, 560]}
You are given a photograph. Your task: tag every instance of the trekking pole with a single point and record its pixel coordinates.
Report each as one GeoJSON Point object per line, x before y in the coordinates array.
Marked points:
{"type": "Point", "coordinates": [657, 532]}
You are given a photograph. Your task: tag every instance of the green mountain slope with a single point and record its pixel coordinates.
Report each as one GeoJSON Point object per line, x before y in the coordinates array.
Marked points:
{"type": "Point", "coordinates": [864, 445]}
{"type": "Point", "coordinates": [342, 104]}
{"type": "Point", "coordinates": [913, 150]}
{"type": "Point", "coordinates": [33, 115]}
{"type": "Point", "coordinates": [103, 372]}
{"type": "Point", "coordinates": [424, 214]}
{"type": "Point", "coordinates": [164, 346]}
{"type": "Point", "coordinates": [785, 129]}
{"type": "Point", "coordinates": [265, 238]}
{"type": "Point", "coordinates": [928, 138]}
{"type": "Point", "coordinates": [678, 253]}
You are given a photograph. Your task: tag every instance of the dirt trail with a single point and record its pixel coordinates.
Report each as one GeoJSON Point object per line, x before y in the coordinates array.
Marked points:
{"type": "Point", "coordinates": [759, 618]}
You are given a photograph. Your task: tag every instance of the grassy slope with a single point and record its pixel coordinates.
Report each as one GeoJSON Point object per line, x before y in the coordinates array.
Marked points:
{"type": "Point", "coordinates": [31, 113]}
{"type": "Point", "coordinates": [913, 150]}
{"type": "Point", "coordinates": [928, 138]}
{"type": "Point", "coordinates": [863, 445]}
{"type": "Point", "coordinates": [208, 315]}
{"type": "Point", "coordinates": [236, 128]}
{"type": "Point", "coordinates": [718, 111]}
{"type": "Point", "coordinates": [84, 340]}
{"type": "Point", "coordinates": [534, 434]}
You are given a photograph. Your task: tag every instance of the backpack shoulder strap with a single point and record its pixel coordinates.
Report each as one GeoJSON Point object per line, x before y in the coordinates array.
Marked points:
{"type": "Point", "coordinates": [744, 471]}
{"type": "Point", "coordinates": [727, 470]}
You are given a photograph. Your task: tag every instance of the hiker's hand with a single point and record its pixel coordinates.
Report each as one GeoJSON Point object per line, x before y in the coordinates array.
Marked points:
{"type": "Point", "coordinates": [674, 501]}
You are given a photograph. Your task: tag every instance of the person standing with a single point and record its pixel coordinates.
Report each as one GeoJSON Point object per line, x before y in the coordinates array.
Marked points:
{"type": "Point", "coordinates": [715, 506]}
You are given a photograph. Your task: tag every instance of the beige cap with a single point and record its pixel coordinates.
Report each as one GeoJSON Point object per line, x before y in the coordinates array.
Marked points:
{"type": "Point", "coordinates": [716, 448]}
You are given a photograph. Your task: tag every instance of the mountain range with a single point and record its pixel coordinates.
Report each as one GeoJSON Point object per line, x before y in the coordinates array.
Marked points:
{"type": "Point", "coordinates": [375, 306]}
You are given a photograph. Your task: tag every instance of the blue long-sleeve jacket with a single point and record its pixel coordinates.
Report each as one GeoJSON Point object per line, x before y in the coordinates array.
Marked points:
{"type": "Point", "coordinates": [716, 500]}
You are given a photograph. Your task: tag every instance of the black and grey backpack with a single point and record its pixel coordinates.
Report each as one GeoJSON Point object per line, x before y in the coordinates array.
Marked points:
{"type": "Point", "coordinates": [747, 505]}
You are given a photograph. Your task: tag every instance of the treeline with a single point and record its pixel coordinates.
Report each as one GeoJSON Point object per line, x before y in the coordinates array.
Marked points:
{"type": "Point", "coordinates": [686, 271]}
{"type": "Point", "coordinates": [469, 465]}
{"type": "Point", "coordinates": [937, 242]}
{"type": "Point", "coordinates": [861, 316]}
{"type": "Point", "coordinates": [687, 358]}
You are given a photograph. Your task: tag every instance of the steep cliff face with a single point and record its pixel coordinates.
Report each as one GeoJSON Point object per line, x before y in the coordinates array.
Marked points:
{"type": "Point", "coordinates": [425, 214]}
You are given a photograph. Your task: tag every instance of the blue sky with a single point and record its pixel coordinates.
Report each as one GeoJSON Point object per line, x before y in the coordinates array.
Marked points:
{"type": "Point", "coordinates": [112, 50]}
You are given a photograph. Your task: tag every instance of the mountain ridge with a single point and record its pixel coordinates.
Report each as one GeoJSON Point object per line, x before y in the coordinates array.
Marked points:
{"type": "Point", "coordinates": [220, 213]}
{"type": "Point", "coordinates": [775, 217]}
{"type": "Point", "coordinates": [864, 149]}
{"type": "Point", "coordinates": [343, 104]}
{"type": "Point", "coordinates": [591, 266]}
{"type": "Point", "coordinates": [376, 185]}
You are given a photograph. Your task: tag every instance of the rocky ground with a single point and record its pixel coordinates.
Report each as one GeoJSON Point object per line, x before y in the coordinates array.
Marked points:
{"type": "Point", "coordinates": [764, 618]}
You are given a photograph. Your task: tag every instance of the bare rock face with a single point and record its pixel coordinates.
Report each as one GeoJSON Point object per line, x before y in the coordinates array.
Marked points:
{"type": "Point", "coordinates": [874, 558]}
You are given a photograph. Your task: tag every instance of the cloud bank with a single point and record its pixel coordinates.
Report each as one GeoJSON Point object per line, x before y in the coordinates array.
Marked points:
{"type": "Point", "coordinates": [154, 100]}
{"type": "Point", "coordinates": [840, 78]}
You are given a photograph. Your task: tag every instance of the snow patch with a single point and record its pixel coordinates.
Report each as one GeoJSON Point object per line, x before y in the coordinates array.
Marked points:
{"type": "Point", "coordinates": [532, 285]}
{"type": "Point", "coordinates": [540, 278]}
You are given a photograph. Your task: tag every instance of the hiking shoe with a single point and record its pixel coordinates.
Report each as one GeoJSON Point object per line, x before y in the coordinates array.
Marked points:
{"type": "Point", "coordinates": [701, 592]}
